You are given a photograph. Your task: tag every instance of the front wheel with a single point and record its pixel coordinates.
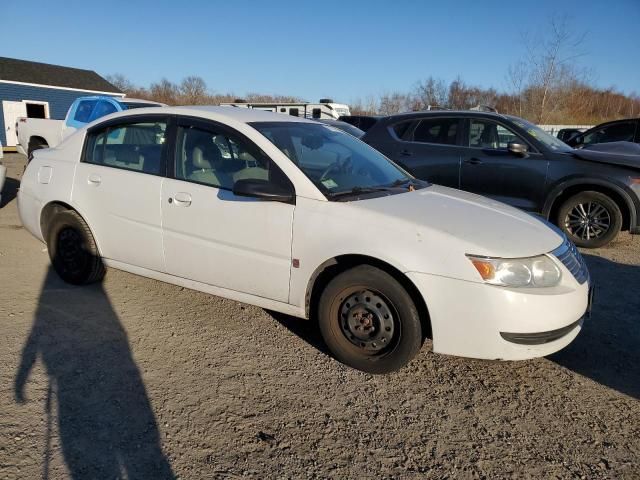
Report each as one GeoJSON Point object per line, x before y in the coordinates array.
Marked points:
{"type": "Point", "coordinates": [369, 321]}
{"type": "Point", "coordinates": [590, 219]}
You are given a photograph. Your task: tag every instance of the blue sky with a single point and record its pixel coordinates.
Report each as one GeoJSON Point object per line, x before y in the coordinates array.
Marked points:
{"type": "Point", "coordinates": [312, 49]}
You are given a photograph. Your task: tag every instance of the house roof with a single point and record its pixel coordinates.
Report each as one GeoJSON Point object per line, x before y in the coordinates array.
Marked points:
{"type": "Point", "coordinates": [14, 70]}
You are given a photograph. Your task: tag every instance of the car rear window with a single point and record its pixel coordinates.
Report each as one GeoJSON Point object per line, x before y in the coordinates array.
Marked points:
{"type": "Point", "coordinates": [401, 128]}
{"type": "Point", "coordinates": [437, 130]}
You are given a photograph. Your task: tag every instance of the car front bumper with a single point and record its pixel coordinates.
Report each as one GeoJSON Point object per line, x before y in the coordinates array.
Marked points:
{"type": "Point", "coordinates": [483, 321]}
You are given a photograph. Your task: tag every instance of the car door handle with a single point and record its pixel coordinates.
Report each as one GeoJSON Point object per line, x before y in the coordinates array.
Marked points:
{"type": "Point", "coordinates": [473, 161]}
{"type": "Point", "coordinates": [181, 199]}
{"type": "Point", "coordinates": [406, 153]}
{"type": "Point", "coordinates": [94, 179]}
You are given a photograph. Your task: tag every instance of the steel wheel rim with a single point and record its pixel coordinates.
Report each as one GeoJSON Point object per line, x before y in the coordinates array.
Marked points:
{"type": "Point", "coordinates": [368, 321]}
{"type": "Point", "coordinates": [588, 220]}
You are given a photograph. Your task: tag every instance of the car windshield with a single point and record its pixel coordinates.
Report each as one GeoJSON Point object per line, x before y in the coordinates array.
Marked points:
{"type": "Point", "coordinates": [336, 162]}
{"type": "Point", "coordinates": [536, 132]}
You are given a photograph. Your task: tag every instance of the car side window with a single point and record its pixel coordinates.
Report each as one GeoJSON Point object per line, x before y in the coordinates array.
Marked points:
{"type": "Point", "coordinates": [84, 110]}
{"type": "Point", "coordinates": [102, 109]}
{"type": "Point", "coordinates": [132, 146]}
{"type": "Point", "coordinates": [401, 128]}
{"type": "Point", "coordinates": [219, 160]}
{"type": "Point", "coordinates": [488, 134]}
{"type": "Point", "coordinates": [618, 132]}
{"type": "Point", "coordinates": [436, 130]}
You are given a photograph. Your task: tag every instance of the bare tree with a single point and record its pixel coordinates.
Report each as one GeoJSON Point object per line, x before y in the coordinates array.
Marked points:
{"type": "Point", "coordinates": [121, 82]}
{"type": "Point", "coordinates": [429, 92]}
{"type": "Point", "coordinates": [552, 63]}
{"type": "Point", "coordinates": [165, 91]}
{"type": "Point", "coordinates": [193, 91]}
{"type": "Point", "coordinates": [391, 103]}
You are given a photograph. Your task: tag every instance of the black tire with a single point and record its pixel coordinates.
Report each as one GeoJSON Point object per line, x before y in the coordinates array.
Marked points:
{"type": "Point", "coordinates": [35, 144]}
{"type": "Point", "coordinates": [590, 219]}
{"type": "Point", "coordinates": [395, 332]}
{"type": "Point", "coordinates": [72, 249]}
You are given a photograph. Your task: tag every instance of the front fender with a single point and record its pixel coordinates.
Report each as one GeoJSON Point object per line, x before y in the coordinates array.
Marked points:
{"type": "Point", "coordinates": [622, 190]}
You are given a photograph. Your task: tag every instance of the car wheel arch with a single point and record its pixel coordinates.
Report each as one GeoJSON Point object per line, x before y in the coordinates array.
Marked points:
{"type": "Point", "coordinates": [37, 138]}
{"type": "Point", "coordinates": [49, 212]}
{"type": "Point", "coordinates": [565, 190]}
{"type": "Point", "coordinates": [335, 265]}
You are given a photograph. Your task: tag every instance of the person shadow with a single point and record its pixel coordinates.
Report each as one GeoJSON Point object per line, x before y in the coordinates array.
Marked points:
{"type": "Point", "coordinates": [9, 191]}
{"type": "Point", "coordinates": [106, 425]}
{"type": "Point", "coordinates": [607, 350]}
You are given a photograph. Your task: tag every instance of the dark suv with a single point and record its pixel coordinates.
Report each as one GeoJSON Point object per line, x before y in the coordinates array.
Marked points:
{"type": "Point", "coordinates": [590, 195]}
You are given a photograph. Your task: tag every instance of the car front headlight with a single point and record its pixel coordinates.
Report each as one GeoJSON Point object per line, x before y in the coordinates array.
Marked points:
{"type": "Point", "coordinates": [538, 271]}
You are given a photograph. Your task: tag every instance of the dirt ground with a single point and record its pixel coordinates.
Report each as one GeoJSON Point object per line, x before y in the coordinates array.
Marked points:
{"type": "Point", "coordinates": [134, 378]}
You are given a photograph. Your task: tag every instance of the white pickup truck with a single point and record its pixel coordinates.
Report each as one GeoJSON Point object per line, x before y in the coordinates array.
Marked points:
{"type": "Point", "coordinates": [35, 133]}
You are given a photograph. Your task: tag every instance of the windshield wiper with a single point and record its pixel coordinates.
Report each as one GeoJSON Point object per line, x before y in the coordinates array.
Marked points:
{"type": "Point", "coordinates": [409, 183]}
{"type": "Point", "coordinates": [357, 191]}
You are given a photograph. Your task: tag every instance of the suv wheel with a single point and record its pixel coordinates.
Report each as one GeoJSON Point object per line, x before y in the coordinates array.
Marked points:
{"type": "Point", "coordinates": [369, 321]}
{"type": "Point", "coordinates": [590, 219]}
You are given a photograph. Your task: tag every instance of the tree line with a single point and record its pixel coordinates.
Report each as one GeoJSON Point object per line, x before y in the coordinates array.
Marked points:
{"type": "Point", "coordinates": [575, 103]}
{"type": "Point", "coordinates": [192, 90]}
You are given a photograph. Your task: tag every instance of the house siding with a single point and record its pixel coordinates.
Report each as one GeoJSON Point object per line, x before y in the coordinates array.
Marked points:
{"type": "Point", "coordinates": [59, 100]}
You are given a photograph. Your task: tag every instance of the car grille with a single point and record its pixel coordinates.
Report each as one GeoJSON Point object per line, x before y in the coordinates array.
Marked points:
{"type": "Point", "coordinates": [570, 257]}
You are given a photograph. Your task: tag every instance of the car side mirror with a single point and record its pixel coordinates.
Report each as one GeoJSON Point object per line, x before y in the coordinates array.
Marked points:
{"type": "Point", "coordinates": [264, 190]}
{"type": "Point", "coordinates": [519, 149]}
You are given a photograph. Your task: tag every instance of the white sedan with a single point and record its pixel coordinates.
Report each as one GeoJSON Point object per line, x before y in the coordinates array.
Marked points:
{"type": "Point", "coordinates": [301, 218]}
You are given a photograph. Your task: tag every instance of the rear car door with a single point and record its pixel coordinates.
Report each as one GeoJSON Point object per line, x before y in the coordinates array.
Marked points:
{"type": "Point", "coordinates": [489, 169]}
{"type": "Point", "coordinates": [117, 188]}
{"type": "Point", "coordinates": [428, 147]}
{"type": "Point", "coordinates": [210, 234]}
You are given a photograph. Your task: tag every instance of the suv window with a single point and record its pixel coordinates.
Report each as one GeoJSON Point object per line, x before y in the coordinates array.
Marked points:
{"type": "Point", "coordinates": [219, 160]}
{"type": "Point", "coordinates": [618, 132]}
{"type": "Point", "coordinates": [436, 130]}
{"type": "Point", "coordinates": [401, 128]}
{"type": "Point", "coordinates": [489, 134]}
{"type": "Point", "coordinates": [83, 112]}
{"type": "Point", "coordinates": [132, 146]}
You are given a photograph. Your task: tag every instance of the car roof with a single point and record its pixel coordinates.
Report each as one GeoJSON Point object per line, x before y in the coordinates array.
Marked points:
{"type": "Point", "coordinates": [216, 113]}
{"type": "Point", "coordinates": [137, 100]}
{"type": "Point", "coordinates": [622, 120]}
{"type": "Point", "coordinates": [444, 113]}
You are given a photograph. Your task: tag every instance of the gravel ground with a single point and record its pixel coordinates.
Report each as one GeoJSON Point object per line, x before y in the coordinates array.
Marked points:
{"type": "Point", "coordinates": [134, 378]}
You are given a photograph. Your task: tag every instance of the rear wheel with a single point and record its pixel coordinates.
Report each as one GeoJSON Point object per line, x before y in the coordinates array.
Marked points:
{"type": "Point", "coordinates": [369, 321]}
{"type": "Point", "coordinates": [72, 249]}
{"type": "Point", "coordinates": [590, 219]}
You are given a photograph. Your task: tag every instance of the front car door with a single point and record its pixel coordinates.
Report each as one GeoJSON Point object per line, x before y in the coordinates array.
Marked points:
{"type": "Point", "coordinates": [117, 188]}
{"type": "Point", "coordinates": [213, 236]}
{"type": "Point", "coordinates": [429, 148]}
{"type": "Point", "coordinates": [489, 169]}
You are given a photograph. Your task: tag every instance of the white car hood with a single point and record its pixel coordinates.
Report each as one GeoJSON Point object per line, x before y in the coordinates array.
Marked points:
{"type": "Point", "coordinates": [479, 225]}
